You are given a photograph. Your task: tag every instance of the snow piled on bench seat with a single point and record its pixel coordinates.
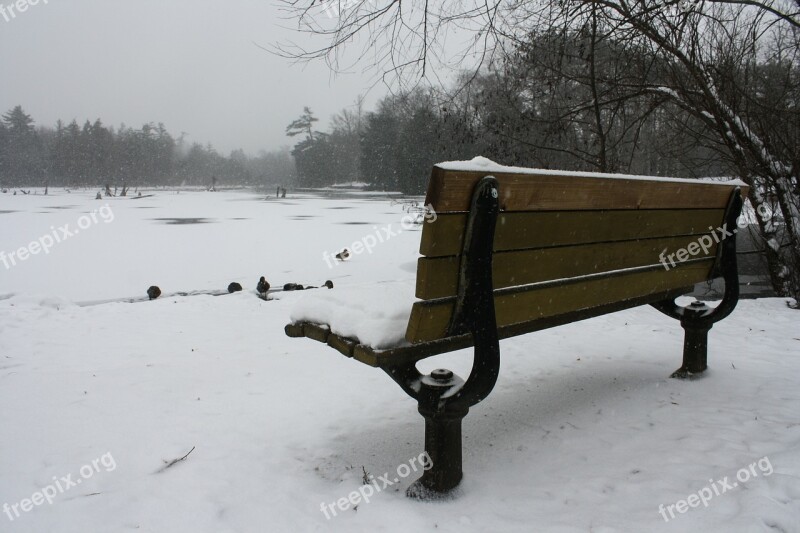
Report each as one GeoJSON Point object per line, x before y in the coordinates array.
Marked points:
{"type": "Point", "coordinates": [376, 314]}
{"type": "Point", "coordinates": [483, 164]}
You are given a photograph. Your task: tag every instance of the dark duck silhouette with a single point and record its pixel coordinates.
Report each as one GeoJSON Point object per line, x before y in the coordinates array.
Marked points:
{"type": "Point", "coordinates": [153, 292]}
{"type": "Point", "coordinates": [262, 287]}
{"type": "Point", "coordinates": [234, 287]}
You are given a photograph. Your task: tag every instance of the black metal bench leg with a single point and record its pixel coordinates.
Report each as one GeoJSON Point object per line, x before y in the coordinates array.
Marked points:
{"type": "Point", "coordinates": [444, 399]}
{"type": "Point", "coordinates": [695, 350]}
{"type": "Point", "coordinates": [442, 435]}
{"type": "Point", "coordinates": [443, 446]}
{"type": "Point", "coordinates": [695, 342]}
{"type": "Point", "coordinates": [697, 318]}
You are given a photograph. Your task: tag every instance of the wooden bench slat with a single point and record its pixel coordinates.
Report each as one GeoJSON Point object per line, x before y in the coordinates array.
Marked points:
{"type": "Point", "coordinates": [524, 230]}
{"type": "Point", "coordinates": [343, 345]}
{"type": "Point", "coordinates": [437, 277]}
{"type": "Point", "coordinates": [451, 190]}
{"type": "Point", "coordinates": [294, 330]}
{"type": "Point", "coordinates": [429, 319]}
{"type": "Point", "coordinates": [316, 332]}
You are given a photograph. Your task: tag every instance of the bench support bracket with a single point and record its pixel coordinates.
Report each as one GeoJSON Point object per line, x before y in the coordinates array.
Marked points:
{"type": "Point", "coordinates": [444, 399]}
{"type": "Point", "coordinates": [697, 318]}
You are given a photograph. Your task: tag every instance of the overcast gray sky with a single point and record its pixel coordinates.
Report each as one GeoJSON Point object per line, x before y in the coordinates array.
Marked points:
{"type": "Point", "coordinates": [191, 64]}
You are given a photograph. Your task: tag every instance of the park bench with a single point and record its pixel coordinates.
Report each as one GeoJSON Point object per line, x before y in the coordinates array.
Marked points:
{"type": "Point", "coordinates": [512, 251]}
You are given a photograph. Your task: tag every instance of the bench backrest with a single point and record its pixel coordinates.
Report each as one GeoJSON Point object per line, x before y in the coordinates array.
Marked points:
{"type": "Point", "coordinates": [567, 245]}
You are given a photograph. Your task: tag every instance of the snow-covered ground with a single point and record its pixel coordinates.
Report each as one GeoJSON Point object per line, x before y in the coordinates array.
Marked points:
{"type": "Point", "coordinates": [584, 431]}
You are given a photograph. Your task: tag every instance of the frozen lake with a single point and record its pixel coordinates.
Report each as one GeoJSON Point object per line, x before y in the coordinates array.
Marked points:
{"type": "Point", "coordinates": [191, 240]}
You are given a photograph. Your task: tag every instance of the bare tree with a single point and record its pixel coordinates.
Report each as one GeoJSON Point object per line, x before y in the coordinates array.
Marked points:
{"type": "Point", "coordinates": [717, 58]}
{"type": "Point", "coordinates": [400, 41]}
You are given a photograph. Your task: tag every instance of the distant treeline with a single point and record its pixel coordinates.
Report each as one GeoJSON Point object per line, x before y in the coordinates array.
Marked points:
{"type": "Point", "coordinates": [561, 101]}
{"type": "Point", "coordinates": [95, 155]}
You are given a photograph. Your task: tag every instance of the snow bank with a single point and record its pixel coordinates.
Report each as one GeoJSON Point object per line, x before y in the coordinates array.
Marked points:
{"type": "Point", "coordinates": [584, 431]}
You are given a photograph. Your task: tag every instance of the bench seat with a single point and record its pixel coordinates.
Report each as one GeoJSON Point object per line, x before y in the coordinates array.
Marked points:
{"type": "Point", "coordinates": [372, 314]}
{"type": "Point", "coordinates": [368, 322]}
